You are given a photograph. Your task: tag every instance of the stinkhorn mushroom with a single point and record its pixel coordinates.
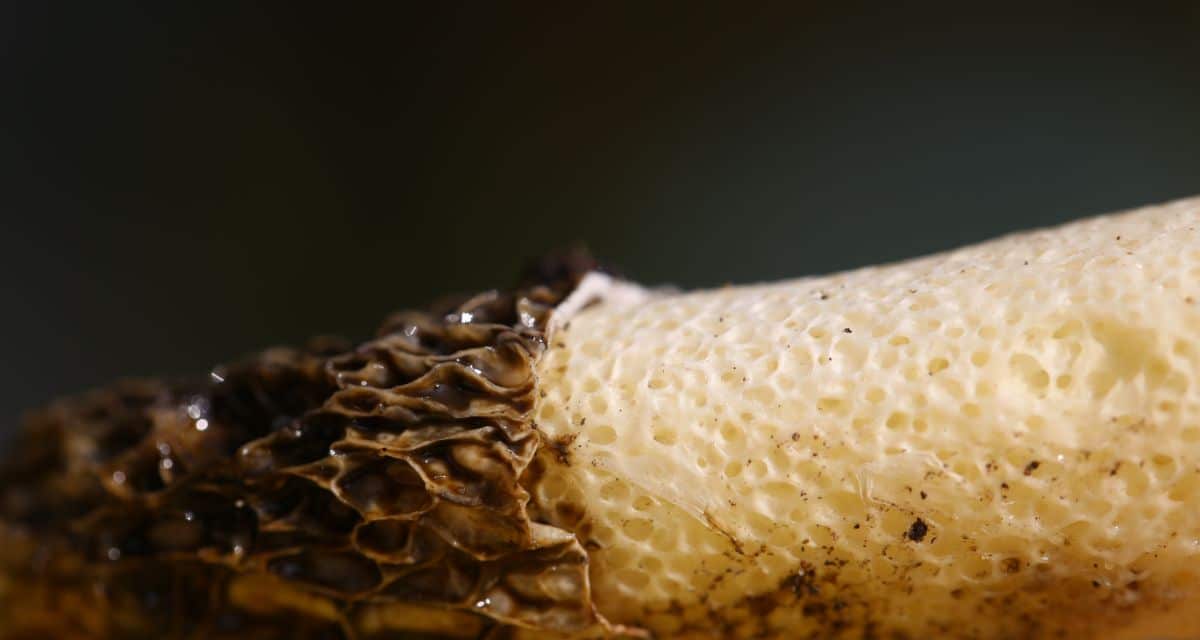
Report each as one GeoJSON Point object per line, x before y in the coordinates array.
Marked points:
{"type": "Point", "coordinates": [1001, 441]}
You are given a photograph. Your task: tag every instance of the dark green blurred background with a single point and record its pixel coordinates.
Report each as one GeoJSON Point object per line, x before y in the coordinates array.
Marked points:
{"type": "Point", "coordinates": [181, 186]}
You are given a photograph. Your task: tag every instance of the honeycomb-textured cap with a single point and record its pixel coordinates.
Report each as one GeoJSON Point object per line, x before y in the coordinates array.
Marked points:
{"type": "Point", "coordinates": [324, 492]}
{"type": "Point", "coordinates": [1001, 441]}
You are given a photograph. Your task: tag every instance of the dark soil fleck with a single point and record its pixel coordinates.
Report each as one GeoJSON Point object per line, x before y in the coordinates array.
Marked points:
{"type": "Point", "coordinates": [916, 532]}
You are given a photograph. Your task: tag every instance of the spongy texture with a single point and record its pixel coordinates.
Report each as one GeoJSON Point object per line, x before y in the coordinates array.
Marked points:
{"type": "Point", "coordinates": [999, 441]}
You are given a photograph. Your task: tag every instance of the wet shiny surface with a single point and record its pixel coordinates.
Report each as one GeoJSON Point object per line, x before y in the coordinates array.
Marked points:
{"type": "Point", "coordinates": [291, 494]}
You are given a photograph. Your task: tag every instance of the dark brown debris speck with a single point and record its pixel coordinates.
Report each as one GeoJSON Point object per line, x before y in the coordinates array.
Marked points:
{"type": "Point", "coordinates": [1031, 467]}
{"type": "Point", "coordinates": [916, 532]}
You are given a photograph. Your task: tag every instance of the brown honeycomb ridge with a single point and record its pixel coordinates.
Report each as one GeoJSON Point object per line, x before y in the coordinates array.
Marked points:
{"type": "Point", "coordinates": [322, 492]}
